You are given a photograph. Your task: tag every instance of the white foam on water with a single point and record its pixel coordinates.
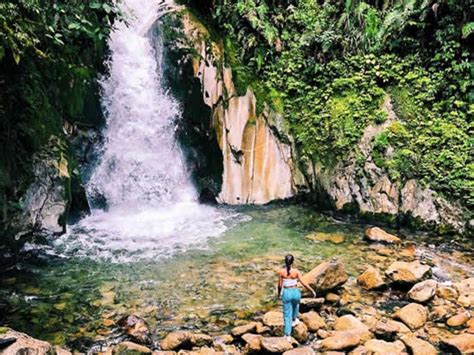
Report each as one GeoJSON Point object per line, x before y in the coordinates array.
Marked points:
{"type": "Point", "coordinates": [152, 208]}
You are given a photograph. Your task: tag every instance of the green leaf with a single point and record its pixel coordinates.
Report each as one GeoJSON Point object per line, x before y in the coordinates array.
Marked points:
{"type": "Point", "coordinates": [16, 57]}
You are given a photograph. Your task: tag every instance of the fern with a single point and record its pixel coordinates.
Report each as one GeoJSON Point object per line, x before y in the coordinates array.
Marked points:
{"type": "Point", "coordinates": [467, 29]}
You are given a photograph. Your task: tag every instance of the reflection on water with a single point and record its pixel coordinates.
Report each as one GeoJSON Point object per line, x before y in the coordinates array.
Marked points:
{"type": "Point", "coordinates": [77, 299]}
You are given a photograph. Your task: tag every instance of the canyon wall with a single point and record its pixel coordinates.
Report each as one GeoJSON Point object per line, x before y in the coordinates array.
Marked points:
{"type": "Point", "coordinates": [258, 166]}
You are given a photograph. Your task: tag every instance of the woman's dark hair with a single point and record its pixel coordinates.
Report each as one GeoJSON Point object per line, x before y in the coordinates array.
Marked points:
{"type": "Point", "coordinates": [288, 262]}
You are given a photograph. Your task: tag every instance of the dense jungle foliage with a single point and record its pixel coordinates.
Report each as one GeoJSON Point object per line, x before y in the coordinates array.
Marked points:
{"type": "Point", "coordinates": [50, 54]}
{"type": "Point", "coordinates": [328, 65]}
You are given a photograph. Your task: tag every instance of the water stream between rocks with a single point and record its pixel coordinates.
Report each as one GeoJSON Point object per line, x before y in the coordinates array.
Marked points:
{"type": "Point", "coordinates": [77, 300]}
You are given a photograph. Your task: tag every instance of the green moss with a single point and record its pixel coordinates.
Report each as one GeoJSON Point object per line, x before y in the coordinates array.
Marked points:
{"type": "Point", "coordinates": [4, 330]}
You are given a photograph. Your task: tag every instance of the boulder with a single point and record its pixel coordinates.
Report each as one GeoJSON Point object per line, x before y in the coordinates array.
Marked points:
{"type": "Point", "coordinates": [459, 344]}
{"type": "Point", "coordinates": [300, 332]}
{"type": "Point", "coordinates": [307, 304]}
{"type": "Point", "coordinates": [201, 339]}
{"type": "Point", "coordinates": [414, 315]}
{"type": "Point", "coordinates": [273, 319]}
{"type": "Point", "coordinates": [313, 321]}
{"type": "Point", "coordinates": [354, 325]}
{"type": "Point", "coordinates": [223, 339]}
{"type": "Point", "coordinates": [388, 328]}
{"type": "Point", "coordinates": [376, 234]}
{"type": "Point", "coordinates": [423, 291]}
{"type": "Point", "coordinates": [418, 346]}
{"type": "Point", "coordinates": [19, 343]}
{"type": "Point", "coordinates": [184, 340]}
{"type": "Point", "coordinates": [381, 347]}
{"type": "Point", "coordinates": [439, 313]}
{"type": "Point", "coordinates": [405, 272]}
{"type": "Point", "coordinates": [332, 297]}
{"type": "Point", "coordinates": [127, 347]}
{"type": "Point", "coordinates": [360, 350]}
{"type": "Point", "coordinates": [323, 334]}
{"type": "Point", "coordinates": [341, 340]}
{"type": "Point", "coordinates": [349, 322]}
{"type": "Point", "coordinates": [465, 289]}
{"type": "Point", "coordinates": [45, 203]}
{"type": "Point", "coordinates": [260, 329]}
{"type": "Point", "coordinates": [458, 319]}
{"type": "Point", "coordinates": [202, 351]}
{"type": "Point", "coordinates": [177, 340]}
{"type": "Point", "coordinates": [253, 342]}
{"type": "Point", "coordinates": [242, 329]}
{"type": "Point", "coordinates": [447, 292]}
{"type": "Point", "coordinates": [277, 344]}
{"type": "Point", "coordinates": [135, 327]}
{"type": "Point", "coordinates": [326, 276]}
{"type": "Point", "coordinates": [304, 350]}
{"type": "Point", "coordinates": [370, 279]}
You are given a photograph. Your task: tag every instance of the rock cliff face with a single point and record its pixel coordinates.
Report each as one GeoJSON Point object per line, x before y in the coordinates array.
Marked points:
{"type": "Point", "coordinates": [258, 166]}
{"type": "Point", "coordinates": [361, 184]}
{"type": "Point", "coordinates": [45, 205]}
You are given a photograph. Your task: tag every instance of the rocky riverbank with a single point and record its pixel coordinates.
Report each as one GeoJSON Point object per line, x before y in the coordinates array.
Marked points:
{"type": "Point", "coordinates": [397, 305]}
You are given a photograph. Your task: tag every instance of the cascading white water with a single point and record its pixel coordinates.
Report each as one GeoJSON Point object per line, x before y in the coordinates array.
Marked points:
{"type": "Point", "coordinates": [141, 163]}
{"type": "Point", "coordinates": [152, 208]}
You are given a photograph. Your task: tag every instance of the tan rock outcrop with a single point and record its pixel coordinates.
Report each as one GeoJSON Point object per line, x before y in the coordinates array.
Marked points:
{"type": "Point", "coordinates": [418, 346]}
{"type": "Point", "coordinates": [242, 329]}
{"type": "Point", "coordinates": [370, 279]}
{"type": "Point", "coordinates": [126, 347]}
{"type": "Point", "coordinates": [300, 332]}
{"type": "Point", "coordinates": [381, 347]}
{"type": "Point", "coordinates": [412, 272]}
{"type": "Point", "coordinates": [253, 342]}
{"type": "Point", "coordinates": [313, 321]}
{"type": "Point", "coordinates": [277, 344]}
{"type": "Point", "coordinates": [462, 343]}
{"type": "Point", "coordinates": [273, 319]}
{"type": "Point", "coordinates": [389, 327]}
{"type": "Point", "coordinates": [465, 289]}
{"type": "Point", "coordinates": [376, 234]}
{"type": "Point", "coordinates": [341, 340]}
{"type": "Point", "coordinates": [414, 315]}
{"type": "Point", "coordinates": [184, 340]}
{"type": "Point", "coordinates": [24, 344]}
{"type": "Point", "coordinates": [326, 276]}
{"type": "Point", "coordinates": [458, 319]}
{"type": "Point", "coordinates": [423, 291]}
{"type": "Point", "coordinates": [304, 350]}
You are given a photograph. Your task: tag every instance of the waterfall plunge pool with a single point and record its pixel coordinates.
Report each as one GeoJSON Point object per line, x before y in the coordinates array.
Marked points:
{"type": "Point", "coordinates": [75, 300]}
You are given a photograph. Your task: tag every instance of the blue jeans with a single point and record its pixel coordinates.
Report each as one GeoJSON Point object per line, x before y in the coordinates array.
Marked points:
{"type": "Point", "coordinates": [291, 301]}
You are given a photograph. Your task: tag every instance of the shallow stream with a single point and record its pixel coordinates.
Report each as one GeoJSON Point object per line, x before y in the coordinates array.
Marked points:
{"type": "Point", "coordinates": [75, 300]}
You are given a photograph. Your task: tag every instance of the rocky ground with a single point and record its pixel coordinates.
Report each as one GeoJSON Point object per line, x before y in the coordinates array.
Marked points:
{"type": "Point", "coordinates": [396, 307]}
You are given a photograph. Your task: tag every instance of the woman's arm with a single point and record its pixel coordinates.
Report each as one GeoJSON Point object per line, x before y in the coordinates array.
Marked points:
{"type": "Point", "coordinates": [308, 287]}
{"type": "Point", "coordinates": [280, 284]}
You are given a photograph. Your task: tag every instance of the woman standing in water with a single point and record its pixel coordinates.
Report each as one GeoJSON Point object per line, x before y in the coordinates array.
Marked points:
{"type": "Point", "coordinates": [290, 293]}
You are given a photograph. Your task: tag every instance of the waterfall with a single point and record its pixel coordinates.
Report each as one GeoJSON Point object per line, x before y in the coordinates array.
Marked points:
{"type": "Point", "coordinates": [151, 202]}
{"type": "Point", "coordinates": [141, 162]}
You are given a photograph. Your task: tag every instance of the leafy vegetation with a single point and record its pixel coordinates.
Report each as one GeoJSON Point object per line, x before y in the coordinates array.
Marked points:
{"type": "Point", "coordinates": [50, 52]}
{"type": "Point", "coordinates": [330, 64]}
